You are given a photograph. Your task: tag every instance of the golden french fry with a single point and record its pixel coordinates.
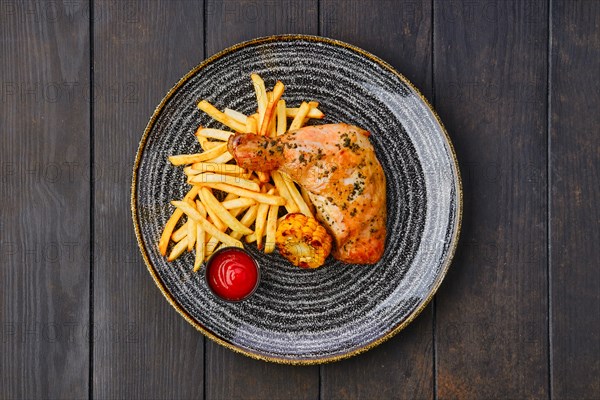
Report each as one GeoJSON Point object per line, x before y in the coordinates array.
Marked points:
{"type": "Point", "coordinates": [260, 223]}
{"type": "Point", "coordinates": [211, 245]}
{"type": "Point", "coordinates": [212, 215]}
{"type": "Point", "coordinates": [178, 249]}
{"type": "Point", "coordinates": [307, 200]}
{"type": "Point", "coordinates": [191, 225]}
{"type": "Point", "coordinates": [240, 117]}
{"type": "Point", "coordinates": [270, 110]}
{"type": "Point", "coordinates": [191, 235]}
{"type": "Point", "coordinates": [183, 159]}
{"type": "Point", "coordinates": [281, 118]}
{"type": "Point", "coordinates": [200, 238]}
{"type": "Point", "coordinates": [209, 177]}
{"type": "Point", "coordinates": [200, 245]}
{"type": "Point", "coordinates": [304, 209]}
{"type": "Point", "coordinates": [217, 134]}
{"type": "Point", "coordinates": [163, 242]}
{"type": "Point", "coordinates": [247, 220]}
{"type": "Point", "coordinates": [222, 245]}
{"type": "Point", "coordinates": [261, 97]}
{"type": "Point", "coordinates": [263, 177]}
{"type": "Point", "coordinates": [314, 112]}
{"type": "Point", "coordinates": [218, 168]}
{"type": "Point", "coordinates": [201, 139]}
{"type": "Point", "coordinates": [207, 226]}
{"type": "Point", "coordinates": [261, 220]}
{"type": "Point", "coordinates": [221, 117]}
{"type": "Point", "coordinates": [211, 202]}
{"type": "Point", "coordinates": [271, 229]}
{"type": "Point", "coordinates": [260, 197]}
{"type": "Point", "coordinates": [179, 233]}
{"type": "Point", "coordinates": [251, 125]}
{"type": "Point", "coordinates": [290, 204]}
{"type": "Point", "coordinates": [299, 118]}
{"type": "Point", "coordinates": [251, 238]}
{"type": "Point", "coordinates": [222, 159]}
{"type": "Point", "coordinates": [239, 202]}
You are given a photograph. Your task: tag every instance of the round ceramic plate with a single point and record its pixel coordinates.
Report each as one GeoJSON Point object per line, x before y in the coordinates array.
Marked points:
{"type": "Point", "coordinates": [309, 316]}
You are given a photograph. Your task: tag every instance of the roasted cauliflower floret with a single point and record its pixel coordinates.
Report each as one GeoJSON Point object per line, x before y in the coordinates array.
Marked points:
{"type": "Point", "coordinates": [303, 241]}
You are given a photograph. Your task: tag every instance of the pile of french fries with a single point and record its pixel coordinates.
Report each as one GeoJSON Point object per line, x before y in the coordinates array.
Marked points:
{"type": "Point", "coordinates": [251, 200]}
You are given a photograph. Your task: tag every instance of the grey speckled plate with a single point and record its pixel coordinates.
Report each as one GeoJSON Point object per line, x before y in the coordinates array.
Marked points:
{"type": "Point", "coordinates": [310, 316]}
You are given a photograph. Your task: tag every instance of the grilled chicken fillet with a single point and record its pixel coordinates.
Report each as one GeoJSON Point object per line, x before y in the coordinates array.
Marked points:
{"type": "Point", "coordinates": [337, 165]}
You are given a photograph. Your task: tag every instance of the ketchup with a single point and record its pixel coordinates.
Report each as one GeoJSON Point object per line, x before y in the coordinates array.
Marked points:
{"type": "Point", "coordinates": [232, 274]}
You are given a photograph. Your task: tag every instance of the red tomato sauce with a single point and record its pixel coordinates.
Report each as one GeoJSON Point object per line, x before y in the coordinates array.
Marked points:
{"type": "Point", "coordinates": [232, 274]}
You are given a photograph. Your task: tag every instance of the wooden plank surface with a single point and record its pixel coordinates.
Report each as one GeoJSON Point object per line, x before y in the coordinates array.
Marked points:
{"type": "Point", "coordinates": [575, 219]}
{"type": "Point", "coordinates": [230, 375]}
{"type": "Point", "coordinates": [484, 63]}
{"type": "Point", "coordinates": [44, 192]}
{"type": "Point", "coordinates": [400, 33]}
{"type": "Point", "coordinates": [490, 71]}
{"type": "Point", "coordinates": [141, 49]}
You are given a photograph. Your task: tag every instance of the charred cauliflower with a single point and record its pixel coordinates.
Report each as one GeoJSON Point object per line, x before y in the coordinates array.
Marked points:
{"type": "Point", "coordinates": [303, 241]}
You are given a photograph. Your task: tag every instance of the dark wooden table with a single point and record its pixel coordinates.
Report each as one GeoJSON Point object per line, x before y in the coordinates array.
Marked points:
{"type": "Point", "coordinates": [517, 84]}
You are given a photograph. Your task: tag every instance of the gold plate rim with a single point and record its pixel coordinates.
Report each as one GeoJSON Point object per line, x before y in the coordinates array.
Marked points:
{"type": "Point", "coordinates": [164, 290]}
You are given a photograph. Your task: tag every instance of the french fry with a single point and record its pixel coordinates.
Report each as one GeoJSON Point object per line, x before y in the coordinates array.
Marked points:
{"type": "Point", "coordinates": [260, 197]}
{"type": "Point", "coordinates": [222, 159]}
{"type": "Point", "coordinates": [299, 118]}
{"type": "Point", "coordinates": [307, 200]}
{"type": "Point", "coordinates": [271, 229]}
{"type": "Point", "coordinates": [183, 159]}
{"type": "Point", "coordinates": [271, 107]}
{"type": "Point", "coordinates": [221, 117]}
{"type": "Point", "coordinates": [200, 238]}
{"type": "Point", "coordinates": [261, 97]}
{"type": "Point", "coordinates": [213, 217]}
{"type": "Point", "coordinates": [251, 125]}
{"type": "Point", "coordinates": [217, 134]}
{"type": "Point", "coordinates": [201, 139]}
{"type": "Point", "coordinates": [179, 233]}
{"type": "Point", "coordinates": [191, 235]}
{"type": "Point", "coordinates": [251, 238]}
{"type": "Point", "coordinates": [207, 226]}
{"type": "Point", "coordinates": [281, 118]}
{"type": "Point", "coordinates": [238, 203]}
{"type": "Point", "coordinates": [202, 167]}
{"type": "Point", "coordinates": [260, 224]}
{"type": "Point", "coordinates": [304, 209]}
{"type": "Point", "coordinates": [263, 177]}
{"type": "Point", "coordinates": [312, 113]}
{"type": "Point", "coordinates": [191, 228]}
{"type": "Point", "coordinates": [211, 245]}
{"type": "Point", "coordinates": [163, 242]}
{"type": "Point", "coordinates": [211, 202]}
{"type": "Point", "coordinates": [290, 204]}
{"type": "Point", "coordinates": [178, 249]}
{"type": "Point", "coordinates": [209, 177]}
{"type": "Point", "coordinates": [247, 220]}
{"type": "Point", "coordinates": [240, 117]}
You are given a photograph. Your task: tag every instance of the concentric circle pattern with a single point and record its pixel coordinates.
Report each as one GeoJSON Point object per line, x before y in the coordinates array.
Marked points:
{"type": "Point", "coordinates": [308, 316]}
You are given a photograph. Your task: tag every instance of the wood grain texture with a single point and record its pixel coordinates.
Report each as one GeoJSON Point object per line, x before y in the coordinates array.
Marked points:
{"type": "Point", "coordinates": [490, 71]}
{"type": "Point", "coordinates": [232, 21]}
{"type": "Point", "coordinates": [147, 350]}
{"type": "Point", "coordinates": [44, 192]}
{"type": "Point", "coordinates": [575, 219]}
{"type": "Point", "coordinates": [230, 375]}
{"type": "Point", "coordinates": [400, 33]}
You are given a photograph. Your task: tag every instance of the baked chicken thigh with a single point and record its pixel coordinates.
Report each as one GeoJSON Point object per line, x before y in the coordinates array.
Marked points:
{"type": "Point", "coordinates": [338, 167]}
